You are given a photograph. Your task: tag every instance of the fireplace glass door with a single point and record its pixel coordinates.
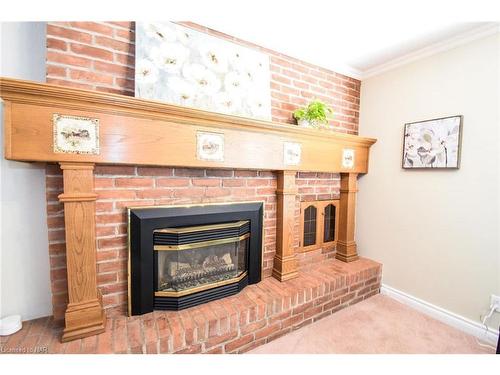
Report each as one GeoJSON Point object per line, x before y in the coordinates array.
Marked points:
{"type": "Point", "coordinates": [193, 259]}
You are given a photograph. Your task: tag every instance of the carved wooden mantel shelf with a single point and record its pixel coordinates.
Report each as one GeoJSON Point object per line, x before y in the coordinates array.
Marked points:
{"type": "Point", "coordinates": [142, 132]}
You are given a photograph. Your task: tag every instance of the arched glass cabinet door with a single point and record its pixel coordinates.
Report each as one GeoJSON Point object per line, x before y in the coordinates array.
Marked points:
{"type": "Point", "coordinates": [330, 218]}
{"type": "Point", "coordinates": [319, 225]}
{"type": "Point", "coordinates": [310, 225]}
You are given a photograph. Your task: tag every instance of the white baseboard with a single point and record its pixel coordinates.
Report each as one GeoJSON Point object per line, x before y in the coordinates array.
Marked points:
{"type": "Point", "coordinates": [459, 322]}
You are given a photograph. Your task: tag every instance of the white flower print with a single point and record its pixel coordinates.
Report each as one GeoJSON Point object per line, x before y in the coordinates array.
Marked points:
{"type": "Point", "coordinates": [188, 67]}
{"type": "Point", "coordinates": [205, 80]}
{"type": "Point", "coordinates": [235, 82]}
{"type": "Point", "coordinates": [170, 56]}
{"type": "Point", "coordinates": [256, 105]}
{"type": "Point", "coordinates": [146, 72]}
{"type": "Point", "coordinates": [249, 74]}
{"type": "Point", "coordinates": [160, 32]}
{"type": "Point", "coordinates": [227, 103]}
{"type": "Point", "coordinates": [237, 59]}
{"type": "Point", "coordinates": [214, 58]}
{"type": "Point", "coordinates": [184, 36]}
{"type": "Point", "coordinates": [183, 92]}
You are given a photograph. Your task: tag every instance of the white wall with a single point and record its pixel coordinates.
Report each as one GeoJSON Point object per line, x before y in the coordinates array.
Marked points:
{"type": "Point", "coordinates": [436, 232]}
{"type": "Point", "coordinates": [24, 258]}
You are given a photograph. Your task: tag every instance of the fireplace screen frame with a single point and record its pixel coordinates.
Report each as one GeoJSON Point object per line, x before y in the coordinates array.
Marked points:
{"type": "Point", "coordinates": [143, 221]}
{"type": "Point", "coordinates": [181, 239]}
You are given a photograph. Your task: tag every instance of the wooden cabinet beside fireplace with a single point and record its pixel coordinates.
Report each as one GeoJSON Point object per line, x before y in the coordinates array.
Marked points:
{"type": "Point", "coordinates": [319, 224]}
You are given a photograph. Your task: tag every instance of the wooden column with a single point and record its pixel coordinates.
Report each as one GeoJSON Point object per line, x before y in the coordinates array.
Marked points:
{"type": "Point", "coordinates": [84, 314]}
{"type": "Point", "coordinates": [346, 245]}
{"type": "Point", "coordinates": [285, 263]}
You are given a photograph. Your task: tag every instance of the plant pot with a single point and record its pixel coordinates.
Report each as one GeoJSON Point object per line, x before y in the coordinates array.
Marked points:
{"type": "Point", "coordinates": [303, 123]}
{"type": "Point", "coordinates": [311, 124]}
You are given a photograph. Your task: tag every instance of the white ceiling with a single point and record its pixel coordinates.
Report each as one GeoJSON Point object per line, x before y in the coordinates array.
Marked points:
{"type": "Point", "coordinates": [359, 38]}
{"type": "Point", "coordinates": [359, 51]}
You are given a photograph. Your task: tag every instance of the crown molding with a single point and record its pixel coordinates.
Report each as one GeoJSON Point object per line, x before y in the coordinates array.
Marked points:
{"type": "Point", "coordinates": [346, 70]}
{"type": "Point", "coordinates": [477, 33]}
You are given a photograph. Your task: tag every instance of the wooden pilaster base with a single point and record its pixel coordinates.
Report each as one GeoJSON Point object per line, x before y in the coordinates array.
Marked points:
{"type": "Point", "coordinates": [347, 259]}
{"type": "Point", "coordinates": [84, 319]}
{"type": "Point", "coordinates": [285, 268]}
{"type": "Point", "coordinates": [346, 252]}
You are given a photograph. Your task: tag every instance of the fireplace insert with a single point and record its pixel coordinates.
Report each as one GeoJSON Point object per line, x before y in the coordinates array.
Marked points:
{"type": "Point", "coordinates": [182, 256]}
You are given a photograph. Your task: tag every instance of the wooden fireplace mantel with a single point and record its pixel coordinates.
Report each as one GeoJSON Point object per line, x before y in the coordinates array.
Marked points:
{"type": "Point", "coordinates": [144, 132]}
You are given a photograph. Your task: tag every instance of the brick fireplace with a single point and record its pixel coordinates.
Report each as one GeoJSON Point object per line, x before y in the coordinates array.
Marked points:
{"type": "Point", "coordinates": [94, 198]}
{"type": "Point", "coordinates": [120, 187]}
{"type": "Point", "coordinates": [99, 56]}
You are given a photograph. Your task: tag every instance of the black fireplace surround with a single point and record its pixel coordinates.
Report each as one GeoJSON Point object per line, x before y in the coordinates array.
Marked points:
{"type": "Point", "coordinates": [145, 223]}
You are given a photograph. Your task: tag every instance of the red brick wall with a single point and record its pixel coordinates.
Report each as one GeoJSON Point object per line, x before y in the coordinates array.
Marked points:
{"type": "Point", "coordinates": [100, 56]}
{"type": "Point", "coordinates": [89, 55]}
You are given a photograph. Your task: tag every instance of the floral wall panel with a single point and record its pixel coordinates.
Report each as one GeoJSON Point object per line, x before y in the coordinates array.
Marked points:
{"type": "Point", "coordinates": [182, 66]}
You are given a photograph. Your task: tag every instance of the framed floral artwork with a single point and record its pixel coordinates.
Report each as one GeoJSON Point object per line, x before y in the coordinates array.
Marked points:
{"type": "Point", "coordinates": [182, 66]}
{"type": "Point", "coordinates": [433, 143]}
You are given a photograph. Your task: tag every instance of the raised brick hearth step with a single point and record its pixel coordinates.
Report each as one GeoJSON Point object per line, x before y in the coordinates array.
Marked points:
{"type": "Point", "coordinates": [255, 316]}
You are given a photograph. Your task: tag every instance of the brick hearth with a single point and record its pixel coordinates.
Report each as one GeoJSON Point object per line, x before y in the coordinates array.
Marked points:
{"type": "Point", "coordinates": [257, 315]}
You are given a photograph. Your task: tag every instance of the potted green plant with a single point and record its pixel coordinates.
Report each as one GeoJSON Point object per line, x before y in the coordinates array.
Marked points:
{"type": "Point", "coordinates": [314, 115]}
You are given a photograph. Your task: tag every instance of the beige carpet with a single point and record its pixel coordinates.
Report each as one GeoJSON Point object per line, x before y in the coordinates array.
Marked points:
{"type": "Point", "coordinates": [377, 325]}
